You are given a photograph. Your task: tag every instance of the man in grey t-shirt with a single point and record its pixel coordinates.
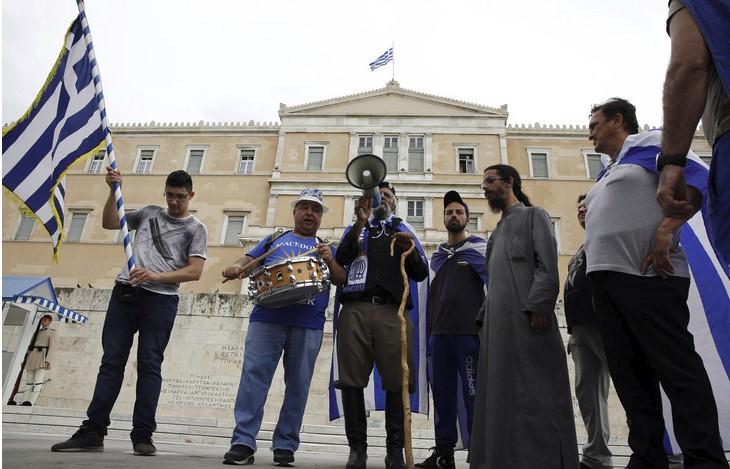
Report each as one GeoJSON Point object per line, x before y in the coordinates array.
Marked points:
{"type": "Point", "coordinates": [641, 282]}
{"type": "Point", "coordinates": [169, 248]}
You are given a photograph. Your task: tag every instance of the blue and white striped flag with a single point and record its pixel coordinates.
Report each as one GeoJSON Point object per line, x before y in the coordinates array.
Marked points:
{"type": "Point", "coordinates": [45, 303]}
{"type": "Point", "coordinates": [62, 127]}
{"type": "Point", "coordinates": [386, 57]}
{"type": "Point", "coordinates": [709, 293]}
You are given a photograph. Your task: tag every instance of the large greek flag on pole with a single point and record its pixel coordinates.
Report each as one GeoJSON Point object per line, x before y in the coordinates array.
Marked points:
{"type": "Point", "coordinates": [386, 57]}
{"type": "Point", "coordinates": [709, 294]}
{"type": "Point", "coordinates": [374, 393]}
{"type": "Point", "coordinates": [62, 127]}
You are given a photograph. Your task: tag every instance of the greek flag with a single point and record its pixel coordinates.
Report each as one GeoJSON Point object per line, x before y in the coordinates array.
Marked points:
{"type": "Point", "coordinates": [62, 127]}
{"type": "Point", "coordinates": [382, 60]}
{"type": "Point", "coordinates": [709, 294]}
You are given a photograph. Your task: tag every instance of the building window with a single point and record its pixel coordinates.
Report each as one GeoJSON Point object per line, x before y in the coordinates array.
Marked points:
{"type": "Point", "coordinates": [539, 167]}
{"type": "Point", "coordinates": [415, 213]}
{"type": "Point", "coordinates": [466, 160]}
{"type": "Point", "coordinates": [145, 158]}
{"type": "Point", "coordinates": [246, 157]}
{"type": "Point", "coordinates": [96, 163]}
{"type": "Point", "coordinates": [194, 159]}
{"type": "Point", "coordinates": [415, 154]}
{"type": "Point", "coordinates": [25, 228]}
{"type": "Point", "coordinates": [365, 144]}
{"type": "Point", "coordinates": [390, 153]}
{"type": "Point", "coordinates": [473, 223]}
{"type": "Point", "coordinates": [314, 156]}
{"type": "Point", "coordinates": [593, 164]}
{"type": "Point", "coordinates": [76, 226]}
{"type": "Point", "coordinates": [233, 227]}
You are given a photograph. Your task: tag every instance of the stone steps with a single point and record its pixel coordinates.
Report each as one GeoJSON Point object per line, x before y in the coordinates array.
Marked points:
{"type": "Point", "coordinates": [328, 439]}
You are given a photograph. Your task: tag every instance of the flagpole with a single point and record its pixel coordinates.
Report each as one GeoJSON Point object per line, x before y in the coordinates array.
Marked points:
{"type": "Point", "coordinates": [393, 67]}
{"type": "Point", "coordinates": [107, 133]}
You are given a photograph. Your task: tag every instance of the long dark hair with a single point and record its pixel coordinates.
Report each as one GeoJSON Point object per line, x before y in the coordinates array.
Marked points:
{"type": "Point", "coordinates": [508, 172]}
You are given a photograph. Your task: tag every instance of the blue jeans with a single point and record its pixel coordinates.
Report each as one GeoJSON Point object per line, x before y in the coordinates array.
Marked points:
{"type": "Point", "coordinates": [265, 343]}
{"type": "Point", "coordinates": [153, 316]}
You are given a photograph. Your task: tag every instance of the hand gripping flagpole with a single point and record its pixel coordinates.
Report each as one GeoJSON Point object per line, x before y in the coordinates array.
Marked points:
{"type": "Point", "coordinates": [107, 133]}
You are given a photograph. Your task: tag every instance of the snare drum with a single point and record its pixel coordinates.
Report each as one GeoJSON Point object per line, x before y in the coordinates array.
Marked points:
{"type": "Point", "coordinates": [288, 281]}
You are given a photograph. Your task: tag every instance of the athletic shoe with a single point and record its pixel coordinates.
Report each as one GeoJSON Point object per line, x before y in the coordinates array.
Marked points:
{"type": "Point", "coordinates": [239, 455]}
{"type": "Point", "coordinates": [283, 457]}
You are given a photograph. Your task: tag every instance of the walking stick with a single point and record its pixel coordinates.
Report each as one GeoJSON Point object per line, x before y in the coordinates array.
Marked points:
{"type": "Point", "coordinates": [405, 395]}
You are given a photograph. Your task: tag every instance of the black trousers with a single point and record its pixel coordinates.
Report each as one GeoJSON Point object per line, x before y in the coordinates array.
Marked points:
{"type": "Point", "coordinates": [644, 326]}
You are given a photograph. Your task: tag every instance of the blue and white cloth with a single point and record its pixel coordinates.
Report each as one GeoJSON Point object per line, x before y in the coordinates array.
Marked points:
{"type": "Point", "coordinates": [709, 294]}
{"type": "Point", "coordinates": [62, 127]}
{"type": "Point", "coordinates": [374, 393]}
{"type": "Point", "coordinates": [386, 57]}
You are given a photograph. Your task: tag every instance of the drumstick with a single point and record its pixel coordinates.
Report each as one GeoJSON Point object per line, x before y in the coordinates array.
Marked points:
{"type": "Point", "coordinates": [253, 262]}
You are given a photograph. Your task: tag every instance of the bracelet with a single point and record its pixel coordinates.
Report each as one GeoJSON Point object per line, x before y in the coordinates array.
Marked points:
{"type": "Point", "coordinates": [677, 160]}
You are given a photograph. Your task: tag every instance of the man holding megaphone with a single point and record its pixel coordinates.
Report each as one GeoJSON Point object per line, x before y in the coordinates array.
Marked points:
{"type": "Point", "coordinates": [367, 326]}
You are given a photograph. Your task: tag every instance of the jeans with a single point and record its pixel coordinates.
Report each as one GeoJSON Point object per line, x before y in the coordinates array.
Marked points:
{"type": "Point", "coordinates": [265, 343]}
{"type": "Point", "coordinates": [153, 316]}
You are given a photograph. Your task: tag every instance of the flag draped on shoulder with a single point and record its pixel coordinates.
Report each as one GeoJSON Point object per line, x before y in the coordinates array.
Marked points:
{"type": "Point", "coordinates": [374, 393]}
{"type": "Point", "coordinates": [62, 127]}
{"type": "Point", "coordinates": [709, 293]}
{"type": "Point", "coordinates": [386, 57]}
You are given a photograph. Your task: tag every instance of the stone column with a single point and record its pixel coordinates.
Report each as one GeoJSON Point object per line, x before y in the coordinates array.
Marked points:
{"type": "Point", "coordinates": [271, 211]}
{"type": "Point", "coordinates": [279, 154]}
{"type": "Point", "coordinates": [502, 149]}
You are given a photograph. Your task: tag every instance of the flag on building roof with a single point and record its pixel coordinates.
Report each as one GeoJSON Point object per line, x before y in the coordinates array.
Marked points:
{"type": "Point", "coordinates": [386, 57]}
{"type": "Point", "coordinates": [62, 127]}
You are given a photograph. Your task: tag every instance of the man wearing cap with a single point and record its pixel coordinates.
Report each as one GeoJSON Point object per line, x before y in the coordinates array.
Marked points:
{"type": "Point", "coordinates": [368, 329]}
{"type": "Point", "coordinates": [458, 276]}
{"type": "Point", "coordinates": [37, 363]}
{"type": "Point", "coordinates": [294, 330]}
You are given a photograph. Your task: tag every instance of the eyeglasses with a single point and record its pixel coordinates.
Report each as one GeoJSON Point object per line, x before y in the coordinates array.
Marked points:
{"type": "Point", "coordinates": [170, 195]}
{"type": "Point", "coordinates": [491, 179]}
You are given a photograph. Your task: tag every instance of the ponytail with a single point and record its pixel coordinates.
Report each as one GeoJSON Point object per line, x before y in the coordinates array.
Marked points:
{"type": "Point", "coordinates": [508, 172]}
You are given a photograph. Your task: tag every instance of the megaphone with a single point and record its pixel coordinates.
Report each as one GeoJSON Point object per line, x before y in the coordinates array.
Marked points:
{"type": "Point", "coordinates": [366, 172]}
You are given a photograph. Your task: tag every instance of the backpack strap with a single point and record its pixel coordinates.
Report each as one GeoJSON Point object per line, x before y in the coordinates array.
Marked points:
{"type": "Point", "coordinates": [274, 236]}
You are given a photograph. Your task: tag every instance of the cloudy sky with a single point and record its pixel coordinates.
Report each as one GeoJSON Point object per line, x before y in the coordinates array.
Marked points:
{"type": "Point", "coordinates": [225, 60]}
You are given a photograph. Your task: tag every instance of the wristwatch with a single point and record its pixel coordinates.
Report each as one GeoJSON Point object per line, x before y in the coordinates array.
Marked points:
{"type": "Point", "coordinates": [676, 160]}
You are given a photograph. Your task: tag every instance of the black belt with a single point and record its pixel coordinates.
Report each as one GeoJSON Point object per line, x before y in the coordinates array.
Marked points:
{"type": "Point", "coordinates": [377, 300]}
{"type": "Point", "coordinates": [38, 349]}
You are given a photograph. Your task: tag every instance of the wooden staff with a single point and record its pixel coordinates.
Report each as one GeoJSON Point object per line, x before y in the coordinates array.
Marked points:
{"type": "Point", "coordinates": [252, 264]}
{"type": "Point", "coordinates": [405, 395]}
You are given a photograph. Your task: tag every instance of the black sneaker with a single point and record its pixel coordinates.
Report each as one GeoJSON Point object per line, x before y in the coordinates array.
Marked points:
{"type": "Point", "coordinates": [283, 457]}
{"type": "Point", "coordinates": [83, 440]}
{"type": "Point", "coordinates": [144, 447]}
{"type": "Point", "coordinates": [240, 455]}
{"type": "Point", "coordinates": [441, 458]}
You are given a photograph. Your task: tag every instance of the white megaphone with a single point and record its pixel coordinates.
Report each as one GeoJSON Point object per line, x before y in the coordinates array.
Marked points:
{"type": "Point", "coordinates": [366, 172]}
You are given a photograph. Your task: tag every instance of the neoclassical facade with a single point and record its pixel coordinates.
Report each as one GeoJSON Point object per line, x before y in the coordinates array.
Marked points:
{"type": "Point", "coordinates": [246, 176]}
